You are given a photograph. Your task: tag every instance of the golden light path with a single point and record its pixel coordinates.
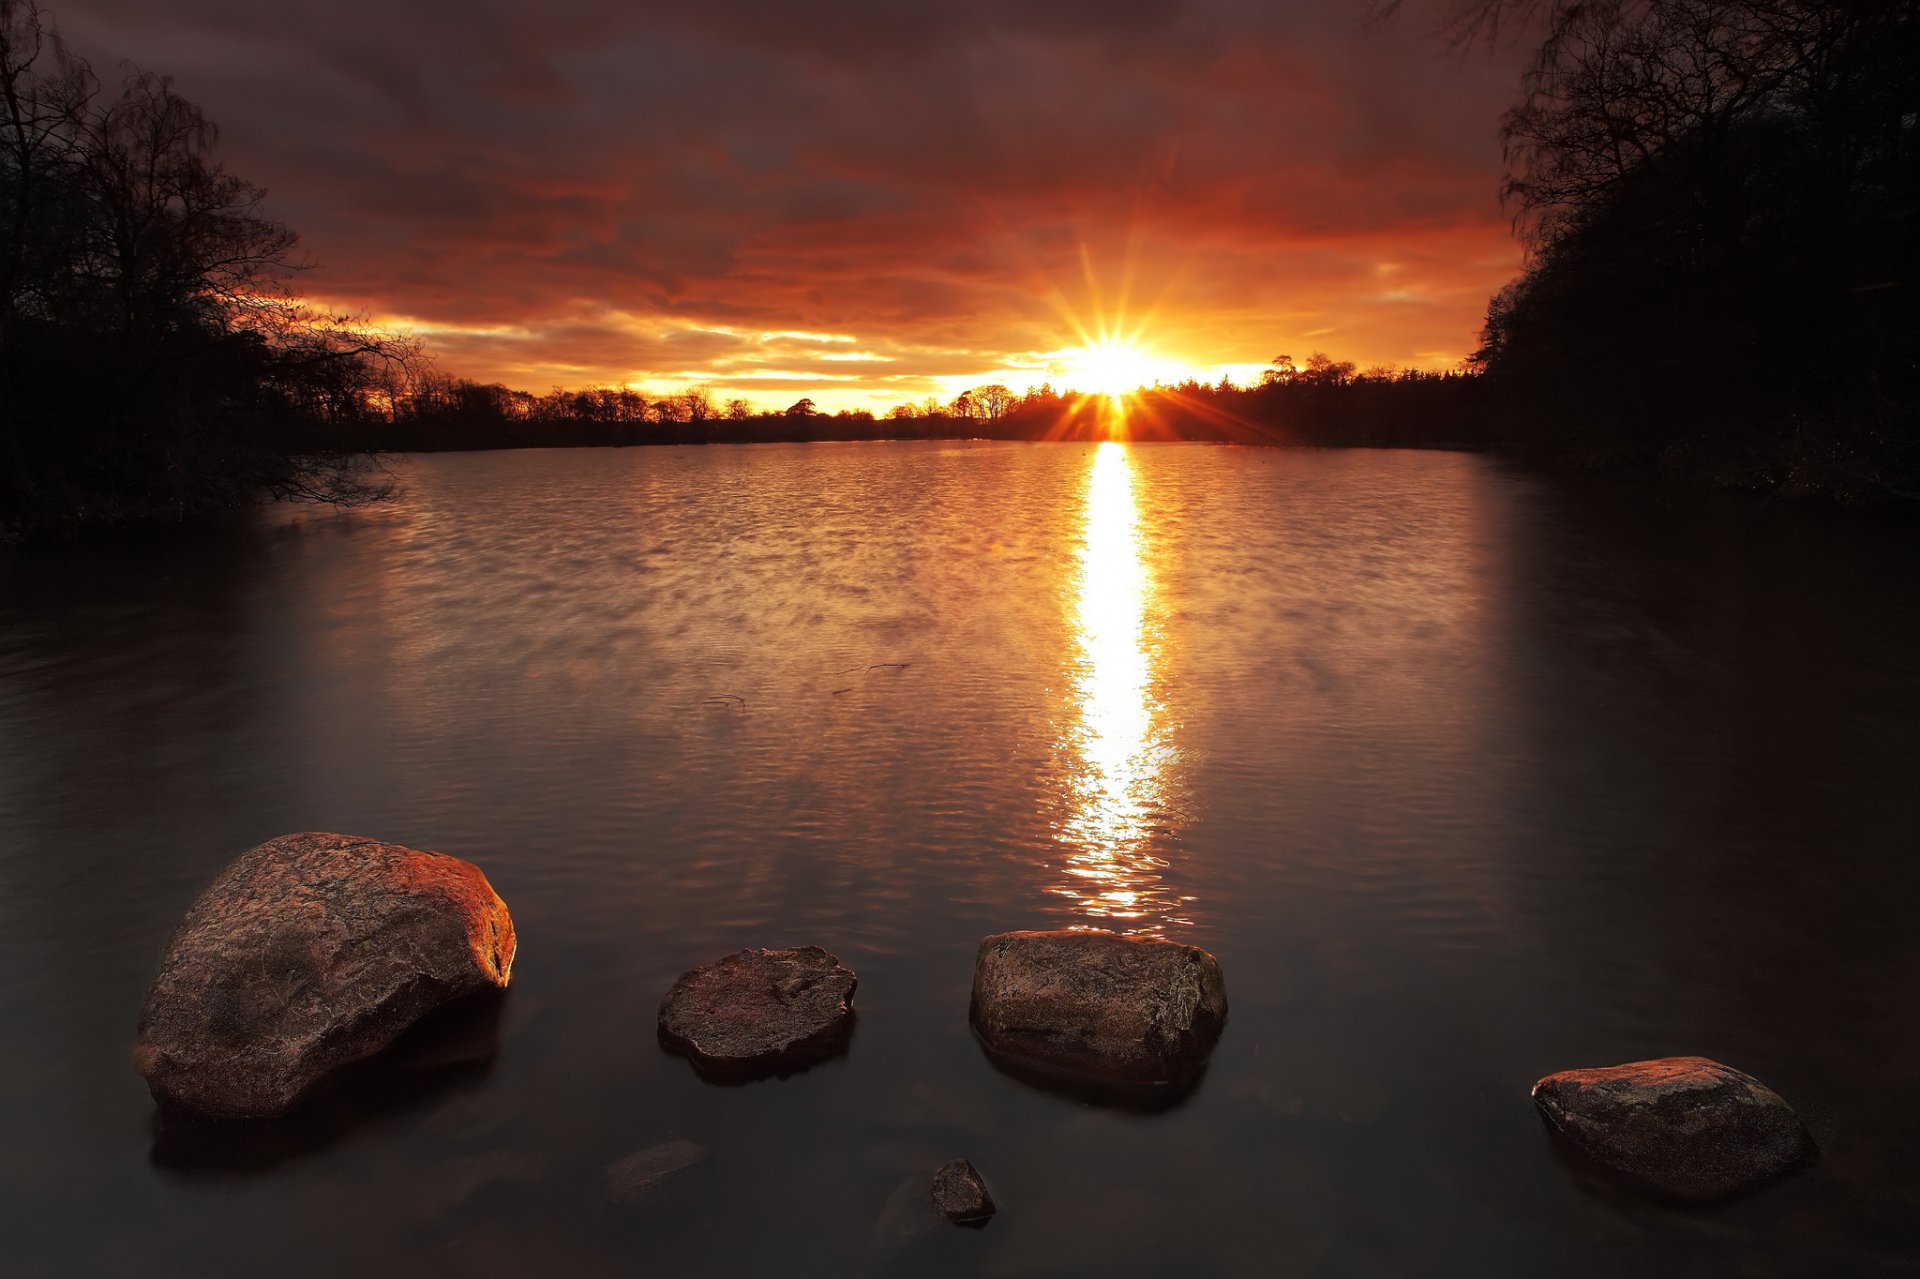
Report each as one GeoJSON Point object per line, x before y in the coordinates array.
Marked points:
{"type": "Point", "coordinates": [1119, 792]}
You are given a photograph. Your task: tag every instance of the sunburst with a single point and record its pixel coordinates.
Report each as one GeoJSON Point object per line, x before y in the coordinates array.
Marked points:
{"type": "Point", "coordinates": [1111, 366]}
{"type": "Point", "coordinates": [1111, 357]}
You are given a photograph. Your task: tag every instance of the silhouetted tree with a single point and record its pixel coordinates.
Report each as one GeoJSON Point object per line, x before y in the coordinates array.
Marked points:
{"type": "Point", "coordinates": [695, 404]}
{"type": "Point", "coordinates": [1704, 185]}
{"type": "Point", "coordinates": [154, 362]}
{"type": "Point", "coordinates": [991, 401]}
{"type": "Point", "coordinates": [1281, 371]}
{"type": "Point", "coordinates": [1323, 370]}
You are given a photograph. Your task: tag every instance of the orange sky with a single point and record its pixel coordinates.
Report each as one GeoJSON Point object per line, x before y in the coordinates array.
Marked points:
{"type": "Point", "coordinates": [865, 202]}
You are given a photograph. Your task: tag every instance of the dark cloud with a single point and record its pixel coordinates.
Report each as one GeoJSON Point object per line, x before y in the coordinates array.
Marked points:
{"type": "Point", "coordinates": [584, 191]}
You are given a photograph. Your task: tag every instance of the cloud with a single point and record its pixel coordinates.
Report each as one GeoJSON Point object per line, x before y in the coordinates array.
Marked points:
{"type": "Point", "coordinates": [592, 193]}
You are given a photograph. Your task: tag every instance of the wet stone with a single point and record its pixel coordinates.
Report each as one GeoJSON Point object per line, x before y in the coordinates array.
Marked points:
{"type": "Point", "coordinates": [1686, 1129]}
{"type": "Point", "coordinates": [960, 1195]}
{"type": "Point", "coordinates": [760, 1012]}
{"type": "Point", "coordinates": [307, 954]}
{"type": "Point", "coordinates": [1099, 1006]}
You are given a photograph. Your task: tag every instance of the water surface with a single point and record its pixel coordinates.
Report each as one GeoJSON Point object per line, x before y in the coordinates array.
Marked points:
{"type": "Point", "coordinates": [1466, 775]}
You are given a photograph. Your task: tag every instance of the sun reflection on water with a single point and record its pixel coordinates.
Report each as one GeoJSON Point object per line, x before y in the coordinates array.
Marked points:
{"type": "Point", "coordinates": [1120, 789]}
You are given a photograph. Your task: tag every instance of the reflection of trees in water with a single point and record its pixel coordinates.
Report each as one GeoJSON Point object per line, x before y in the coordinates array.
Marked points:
{"type": "Point", "coordinates": [1719, 736]}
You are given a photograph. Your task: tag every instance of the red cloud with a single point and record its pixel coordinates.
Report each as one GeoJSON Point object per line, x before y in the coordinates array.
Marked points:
{"type": "Point", "coordinates": [589, 196]}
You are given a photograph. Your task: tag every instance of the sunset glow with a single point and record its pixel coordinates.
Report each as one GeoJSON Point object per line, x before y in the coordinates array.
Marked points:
{"type": "Point", "coordinates": [1028, 512]}
{"type": "Point", "coordinates": [1120, 793]}
{"type": "Point", "coordinates": [1112, 367]}
{"type": "Point", "coordinates": [540, 217]}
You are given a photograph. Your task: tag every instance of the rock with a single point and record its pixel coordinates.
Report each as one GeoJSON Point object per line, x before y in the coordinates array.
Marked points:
{"type": "Point", "coordinates": [1681, 1128]}
{"type": "Point", "coordinates": [634, 1180]}
{"type": "Point", "coordinates": [308, 953]}
{"type": "Point", "coordinates": [959, 1195]}
{"type": "Point", "coordinates": [1099, 1006]}
{"type": "Point", "coordinates": [758, 1012]}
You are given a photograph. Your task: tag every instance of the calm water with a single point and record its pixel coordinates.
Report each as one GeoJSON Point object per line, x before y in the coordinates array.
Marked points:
{"type": "Point", "coordinates": [1465, 775]}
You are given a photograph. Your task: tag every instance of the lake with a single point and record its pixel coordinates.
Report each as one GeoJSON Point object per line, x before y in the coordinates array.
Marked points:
{"type": "Point", "coordinates": [1466, 774]}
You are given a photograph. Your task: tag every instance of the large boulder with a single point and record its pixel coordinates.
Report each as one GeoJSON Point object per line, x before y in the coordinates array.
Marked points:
{"type": "Point", "coordinates": [1098, 1006]}
{"type": "Point", "coordinates": [760, 1012]}
{"type": "Point", "coordinates": [1680, 1128]}
{"type": "Point", "coordinates": [308, 953]}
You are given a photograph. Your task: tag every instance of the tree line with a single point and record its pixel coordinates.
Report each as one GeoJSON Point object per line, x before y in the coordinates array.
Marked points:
{"type": "Point", "coordinates": [1325, 403]}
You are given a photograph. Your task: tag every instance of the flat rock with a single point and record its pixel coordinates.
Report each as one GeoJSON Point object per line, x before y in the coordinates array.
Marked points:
{"type": "Point", "coordinates": [308, 953]}
{"type": "Point", "coordinates": [1679, 1128]}
{"type": "Point", "coordinates": [635, 1179]}
{"type": "Point", "coordinates": [959, 1195]}
{"type": "Point", "coordinates": [758, 1012]}
{"type": "Point", "coordinates": [1099, 1006]}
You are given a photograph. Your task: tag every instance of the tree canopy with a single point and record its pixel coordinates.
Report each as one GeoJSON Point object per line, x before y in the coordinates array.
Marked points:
{"type": "Point", "coordinates": [1717, 200]}
{"type": "Point", "coordinates": [155, 362]}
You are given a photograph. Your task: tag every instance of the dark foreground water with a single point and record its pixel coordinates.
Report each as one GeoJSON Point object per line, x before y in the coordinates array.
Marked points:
{"type": "Point", "coordinates": [1465, 776]}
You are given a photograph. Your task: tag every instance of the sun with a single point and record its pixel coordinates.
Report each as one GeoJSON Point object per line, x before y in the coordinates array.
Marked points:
{"type": "Point", "coordinates": [1113, 367]}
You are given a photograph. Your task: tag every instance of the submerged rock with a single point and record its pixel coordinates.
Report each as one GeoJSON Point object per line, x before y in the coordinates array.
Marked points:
{"type": "Point", "coordinates": [311, 952]}
{"type": "Point", "coordinates": [959, 1195]}
{"type": "Point", "coordinates": [634, 1180]}
{"type": "Point", "coordinates": [906, 1226]}
{"type": "Point", "coordinates": [1099, 1006]}
{"type": "Point", "coordinates": [758, 1012]}
{"type": "Point", "coordinates": [1681, 1128]}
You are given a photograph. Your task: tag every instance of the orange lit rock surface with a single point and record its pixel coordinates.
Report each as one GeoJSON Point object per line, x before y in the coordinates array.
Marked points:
{"type": "Point", "coordinates": [1095, 1004]}
{"type": "Point", "coordinates": [308, 953]}
{"type": "Point", "coordinates": [760, 1011]}
{"type": "Point", "coordinates": [1684, 1128]}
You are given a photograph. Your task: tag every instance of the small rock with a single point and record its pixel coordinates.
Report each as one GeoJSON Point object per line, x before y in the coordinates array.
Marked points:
{"type": "Point", "coordinates": [1680, 1128]}
{"type": "Point", "coordinates": [758, 1012]}
{"type": "Point", "coordinates": [309, 953]}
{"type": "Point", "coordinates": [1099, 1006]}
{"type": "Point", "coordinates": [959, 1195]}
{"type": "Point", "coordinates": [634, 1180]}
